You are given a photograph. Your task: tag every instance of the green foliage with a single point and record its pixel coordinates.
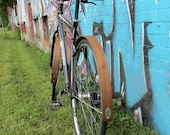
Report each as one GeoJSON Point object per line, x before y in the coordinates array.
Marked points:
{"type": "Point", "coordinates": [7, 3]}
{"type": "Point", "coordinates": [3, 9]}
{"type": "Point", "coordinates": [4, 15]}
{"type": "Point", "coordinates": [9, 26]}
{"type": "Point", "coordinates": [124, 124]}
{"type": "Point", "coordinates": [25, 91]}
{"type": "Point", "coordinates": [18, 34]}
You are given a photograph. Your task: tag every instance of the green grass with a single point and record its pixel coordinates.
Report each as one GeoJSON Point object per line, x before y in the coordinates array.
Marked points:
{"type": "Point", "coordinates": [25, 91]}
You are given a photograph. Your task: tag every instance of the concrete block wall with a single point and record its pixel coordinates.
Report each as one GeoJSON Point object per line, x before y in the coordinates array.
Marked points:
{"type": "Point", "coordinates": [37, 20]}
{"type": "Point", "coordinates": [135, 35]}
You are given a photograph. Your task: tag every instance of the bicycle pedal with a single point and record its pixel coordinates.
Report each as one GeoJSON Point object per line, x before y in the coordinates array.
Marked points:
{"type": "Point", "coordinates": [53, 105]}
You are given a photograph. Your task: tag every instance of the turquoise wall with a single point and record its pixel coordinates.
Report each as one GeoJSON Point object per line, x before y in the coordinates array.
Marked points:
{"type": "Point", "coordinates": [135, 35]}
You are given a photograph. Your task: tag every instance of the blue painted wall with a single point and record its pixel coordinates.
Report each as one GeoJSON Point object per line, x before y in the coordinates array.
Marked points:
{"type": "Point", "coordinates": [135, 35]}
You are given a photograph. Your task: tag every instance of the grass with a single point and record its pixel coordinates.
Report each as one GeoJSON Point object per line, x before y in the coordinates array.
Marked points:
{"type": "Point", "coordinates": [25, 91]}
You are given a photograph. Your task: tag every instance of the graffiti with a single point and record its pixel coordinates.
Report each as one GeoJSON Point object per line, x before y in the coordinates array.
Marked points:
{"type": "Point", "coordinates": [145, 102]}
{"type": "Point", "coordinates": [35, 8]}
{"type": "Point", "coordinates": [14, 18]}
{"type": "Point", "coordinates": [67, 15]}
{"type": "Point", "coordinates": [131, 12]}
{"type": "Point", "coordinates": [49, 7]}
{"type": "Point", "coordinates": [106, 40]}
{"type": "Point", "coordinates": [156, 1]}
{"type": "Point", "coordinates": [138, 114]}
{"type": "Point", "coordinates": [122, 77]}
{"type": "Point", "coordinates": [21, 11]}
{"type": "Point", "coordinates": [52, 27]}
{"type": "Point", "coordinates": [128, 31]}
{"type": "Point", "coordinates": [135, 36]}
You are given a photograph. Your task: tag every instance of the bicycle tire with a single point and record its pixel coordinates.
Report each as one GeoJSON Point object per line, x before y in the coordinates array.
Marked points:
{"type": "Point", "coordinates": [87, 89]}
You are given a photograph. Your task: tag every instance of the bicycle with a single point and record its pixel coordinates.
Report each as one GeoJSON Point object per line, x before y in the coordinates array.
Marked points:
{"type": "Point", "coordinates": [86, 76]}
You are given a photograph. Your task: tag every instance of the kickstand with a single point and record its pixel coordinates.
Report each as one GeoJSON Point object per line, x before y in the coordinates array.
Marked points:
{"type": "Point", "coordinates": [61, 92]}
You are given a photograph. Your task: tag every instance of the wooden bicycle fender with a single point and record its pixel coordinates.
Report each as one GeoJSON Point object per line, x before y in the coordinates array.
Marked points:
{"type": "Point", "coordinates": [56, 60]}
{"type": "Point", "coordinates": [106, 87]}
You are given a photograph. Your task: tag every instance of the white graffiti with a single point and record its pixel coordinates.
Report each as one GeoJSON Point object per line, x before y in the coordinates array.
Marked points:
{"type": "Point", "coordinates": [156, 1]}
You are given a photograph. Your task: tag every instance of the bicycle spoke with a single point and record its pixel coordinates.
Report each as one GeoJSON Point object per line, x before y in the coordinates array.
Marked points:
{"type": "Point", "coordinates": [86, 76]}
{"type": "Point", "coordinates": [86, 94]}
{"type": "Point", "coordinates": [93, 108]}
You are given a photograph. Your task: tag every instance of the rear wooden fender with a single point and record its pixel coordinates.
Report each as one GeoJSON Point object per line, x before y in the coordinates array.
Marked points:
{"type": "Point", "coordinates": [105, 81]}
{"type": "Point", "coordinates": [56, 60]}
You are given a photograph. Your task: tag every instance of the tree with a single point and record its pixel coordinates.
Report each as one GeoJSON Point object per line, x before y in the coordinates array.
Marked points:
{"type": "Point", "coordinates": [3, 9]}
{"type": "Point", "coordinates": [1, 22]}
{"type": "Point", "coordinates": [7, 3]}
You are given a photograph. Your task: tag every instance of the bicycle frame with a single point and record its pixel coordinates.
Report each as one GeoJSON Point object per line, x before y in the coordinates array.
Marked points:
{"type": "Point", "coordinates": [68, 69]}
{"type": "Point", "coordinates": [73, 27]}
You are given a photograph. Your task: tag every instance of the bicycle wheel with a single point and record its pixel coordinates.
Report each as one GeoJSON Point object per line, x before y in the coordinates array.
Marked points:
{"type": "Point", "coordinates": [89, 82]}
